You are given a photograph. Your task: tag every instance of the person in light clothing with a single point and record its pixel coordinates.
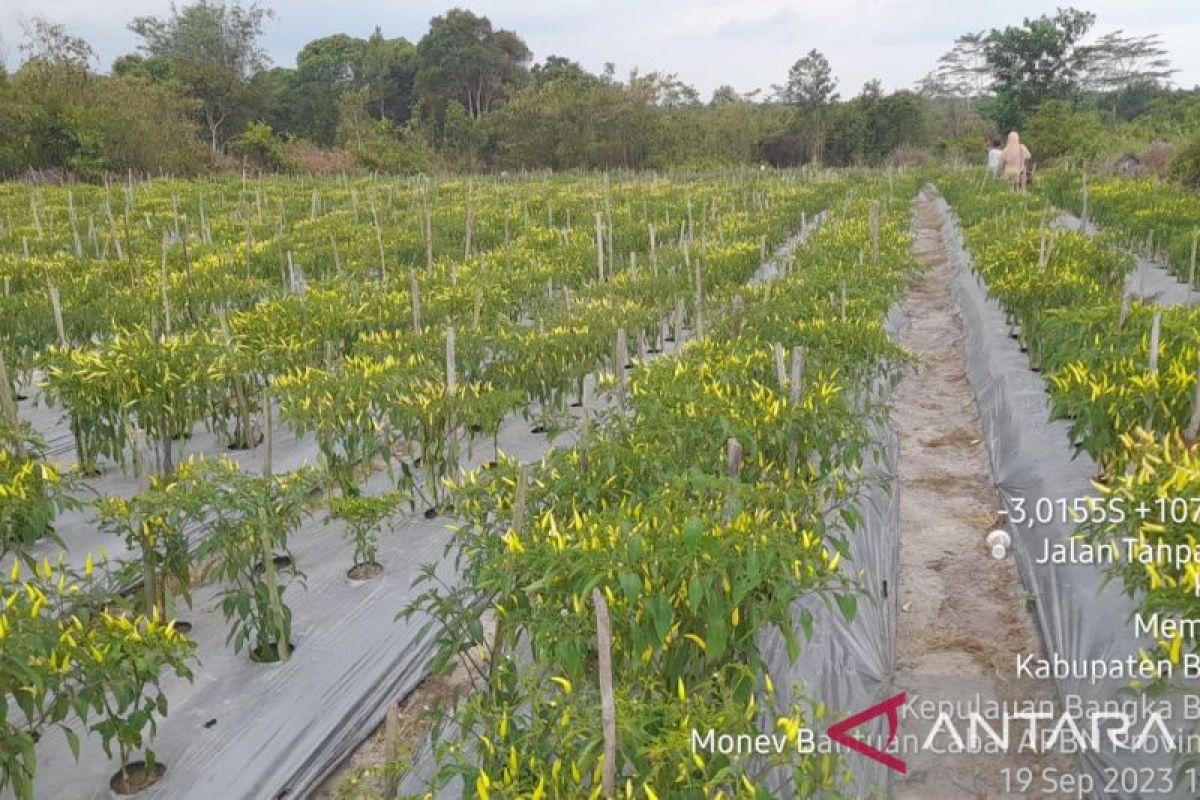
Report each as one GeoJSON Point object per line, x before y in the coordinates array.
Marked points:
{"type": "Point", "coordinates": [994, 155]}
{"type": "Point", "coordinates": [1014, 160]}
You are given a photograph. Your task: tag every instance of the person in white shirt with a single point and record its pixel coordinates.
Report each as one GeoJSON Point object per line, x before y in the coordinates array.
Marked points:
{"type": "Point", "coordinates": [994, 156]}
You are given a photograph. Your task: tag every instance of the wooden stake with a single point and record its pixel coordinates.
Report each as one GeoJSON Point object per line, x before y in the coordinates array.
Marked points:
{"type": "Point", "coordinates": [608, 707]}
{"type": "Point", "coordinates": [1193, 429]}
{"type": "Point", "coordinates": [780, 368]}
{"type": "Point", "coordinates": [337, 261]}
{"type": "Point", "coordinates": [620, 359]}
{"type": "Point", "coordinates": [163, 285]}
{"type": "Point", "coordinates": [268, 555]}
{"type": "Point", "coordinates": [56, 306]}
{"type": "Point", "coordinates": [875, 233]}
{"type": "Point", "coordinates": [451, 363]}
{"type": "Point", "coordinates": [8, 404]}
{"type": "Point", "coordinates": [599, 246]}
{"type": "Point", "coordinates": [379, 240]}
{"type": "Point", "coordinates": [475, 314]}
{"type": "Point", "coordinates": [518, 517]}
{"type": "Point", "coordinates": [733, 469]}
{"type": "Point", "coordinates": [1192, 269]}
{"type": "Point", "coordinates": [414, 292]}
{"type": "Point", "coordinates": [1083, 220]}
{"type": "Point", "coordinates": [797, 374]}
{"type": "Point", "coordinates": [1155, 334]}
{"type": "Point", "coordinates": [428, 225]}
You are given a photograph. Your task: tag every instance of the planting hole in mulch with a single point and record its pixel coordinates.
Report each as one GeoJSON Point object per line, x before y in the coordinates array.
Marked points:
{"type": "Point", "coordinates": [237, 447]}
{"type": "Point", "coordinates": [491, 465]}
{"type": "Point", "coordinates": [136, 777]}
{"type": "Point", "coordinates": [539, 429]}
{"type": "Point", "coordinates": [365, 571]}
{"type": "Point", "coordinates": [281, 562]}
{"type": "Point", "coordinates": [576, 404]}
{"type": "Point", "coordinates": [477, 428]}
{"type": "Point", "coordinates": [269, 654]}
{"type": "Point", "coordinates": [212, 723]}
{"type": "Point", "coordinates": [183, 627]}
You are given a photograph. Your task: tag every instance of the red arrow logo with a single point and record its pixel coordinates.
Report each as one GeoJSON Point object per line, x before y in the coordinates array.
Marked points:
{"type": "Point", "coordinates": [838, 731]}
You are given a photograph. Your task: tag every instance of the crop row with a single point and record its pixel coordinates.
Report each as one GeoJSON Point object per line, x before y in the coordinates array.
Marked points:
{"type": "Point", "coordinates": [719, 491]}
{"type": "Point", "coordinates": [1160, 218]}
{"type": "Point", "coordinates": [1124, 373]}
{"type": "Point", "coordinates": [394, 373]}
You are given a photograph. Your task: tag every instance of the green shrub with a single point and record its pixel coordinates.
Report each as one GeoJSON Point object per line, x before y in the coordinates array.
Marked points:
{"type": "Point", "coordinates": [259, 146]}
{"type": "Point", "coordinates": [1058, 130]}
{"type": "Point", "coordinates": [1186, 165]}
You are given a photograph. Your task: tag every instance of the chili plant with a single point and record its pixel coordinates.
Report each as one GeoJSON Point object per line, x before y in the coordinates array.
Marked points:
{"type": "Point", "coordinates": [251, 517]}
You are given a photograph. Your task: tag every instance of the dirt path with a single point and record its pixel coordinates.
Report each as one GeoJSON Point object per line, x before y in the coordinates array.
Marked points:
{"type": "Point", "coordinates": [962, 621]}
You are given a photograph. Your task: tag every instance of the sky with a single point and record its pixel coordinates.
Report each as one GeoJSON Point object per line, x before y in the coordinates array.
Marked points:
{"type": "Point", "coordinates": [746, 43]}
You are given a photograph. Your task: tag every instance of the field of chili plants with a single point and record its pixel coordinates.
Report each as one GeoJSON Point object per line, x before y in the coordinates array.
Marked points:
{"type": "Point", "coordinates": [696, 514]}
{"type": "Point", "coordinates": [1124, 374]}
{"type": "Point", "coordinates": [1160, 219]}
{"type": "Point", "coordinates": [239, 415]}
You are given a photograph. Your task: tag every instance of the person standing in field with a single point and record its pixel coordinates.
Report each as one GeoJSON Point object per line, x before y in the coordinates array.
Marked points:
{"type": "Point", "coordinates": [994, 154]}
{"type": "Point", "coordinates": [1013, 161]}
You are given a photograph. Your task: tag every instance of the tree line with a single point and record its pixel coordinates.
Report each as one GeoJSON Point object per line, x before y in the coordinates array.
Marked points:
{"type": "Point", "coordinates": [199, 94]}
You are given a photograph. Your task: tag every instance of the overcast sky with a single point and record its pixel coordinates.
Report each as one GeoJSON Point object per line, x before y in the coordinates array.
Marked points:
{"type": "Point", "coordinates": [746, 43]}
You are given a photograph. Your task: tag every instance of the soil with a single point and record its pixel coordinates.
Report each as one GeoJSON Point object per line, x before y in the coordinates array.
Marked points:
{"type": "Point", "coordinates": [963, 619]}
{"type": "Point", "coordinates": [134, 778]}
{"type": "Point", "coordinates": [365, 772]}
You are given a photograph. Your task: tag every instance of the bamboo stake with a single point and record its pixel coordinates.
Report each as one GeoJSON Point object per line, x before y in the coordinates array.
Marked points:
{"type": "Point", "coordinates": [608, 708]}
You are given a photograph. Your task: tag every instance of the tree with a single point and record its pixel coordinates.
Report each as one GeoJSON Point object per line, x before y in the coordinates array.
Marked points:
{"type": "Point", "coordinates": [49, 43]}
{"type": "Point", "coordinates": [810, 82]}
{"type": "Point", "coordinates": [213, 48]}
{"type": "Point", "coordinates": [1057, 129]}
{"type": "Point", "coordinates": [464, 58]}
{"type": "Point", "coordinates": [724, 95]}
{"type": "Point", "coordinates": [558, 68]}
{"type": "Point", "coordinates": [1120, 64]}
{"type": "Point", "coordinates": [963, 71]}
{"type": "Point", "coordinates": [810, 87]}
{"type": "Point", "coordinates": [1040, 60]}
